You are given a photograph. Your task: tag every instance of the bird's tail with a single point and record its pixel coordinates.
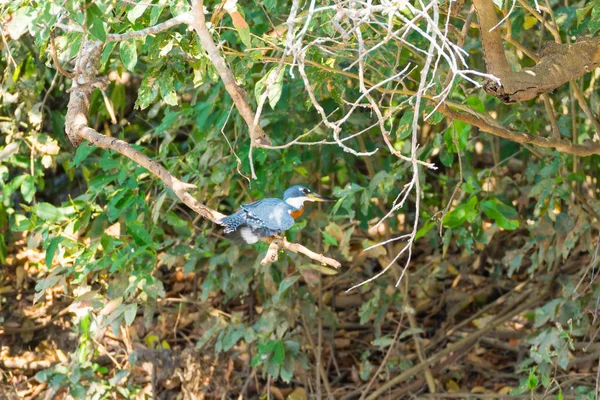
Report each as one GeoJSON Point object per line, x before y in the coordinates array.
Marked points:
{"type": "Point", "coordinates": [233, 222]}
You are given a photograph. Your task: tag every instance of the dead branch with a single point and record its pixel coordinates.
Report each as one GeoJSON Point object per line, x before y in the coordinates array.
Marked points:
{"type": "Point", "coordinates": [281, 242]}
{"type": "Point", "coordinates": [30, 365]}
{"type": "Point", "coordinates": [557, 65]}
{"type": "Point", "coordinates": [238, 94]}
{"type": "Point", "coordinates": [78, 130]}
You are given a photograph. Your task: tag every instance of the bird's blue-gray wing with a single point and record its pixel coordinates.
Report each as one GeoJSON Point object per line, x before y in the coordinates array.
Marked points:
{"type": "Point", "coordinates": [234, 221]}
{"type": "Point", "coordinates": [273, 215]}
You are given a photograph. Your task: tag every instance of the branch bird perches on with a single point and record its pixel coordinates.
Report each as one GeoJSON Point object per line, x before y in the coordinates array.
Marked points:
{"type": "Point", "coordinates": [78, 131]}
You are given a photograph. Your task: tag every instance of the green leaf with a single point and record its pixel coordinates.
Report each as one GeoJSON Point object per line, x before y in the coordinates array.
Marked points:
{"type": "Point", "coordinates": [119, 377]}
{"type": "Point", "coordinates": [369, 307]}
{"type": "Point", "coordinates": [241, 26]}
{"type": "Point", "coordinates": [476, 103]}
{"type": "Point", "coordinates": [51, 250]}
{"type": "Point", "coordinates": [447, 156]}
{"type": "Point", "coordinates": [500, 213]}
{"type": "Point", "coordinates": [405, 125]}
{"type": "Point", "coordinates": [321, 268]}
{"type": "Point", "coordinates": [515, 264]}
{"type": "Point", "coordinates": [273, 369]}
{"type": "Point", "coordinates": [410, 332]}
{"type": "Point", "coordinates": [275, 89]}
{"type": "Point", "coordinates": [278, 352]}
{"type": "Point", "coordinates": [47, 212]}
{"type": "Point", "coordinates": [3, 249]}
{"type": "Point", "coordinates": [128, 52]}
{"type": "Point", "coordinates": [272, 84]}
{"type": "Point", "coordinates": [287, 369]}
{"type": "Point", "coordinates": [147, 93]}
{"type": "Point", "coordinates": [283, 286]}
{"type": "Point", "coordinates": [28, 188]}
{"type": "Point", "coordinates": [424, 229]}
{"type": "Point", "coordinates": [83, 151]}
{"type": "Point", "coordinates": [19, 23]}
{"type": "Point", "coordinates": [564, 223]}
{"type": "Point", "coordinates": [384, 341]}
{"type": "Point", "coordinates": [129, 313]}
{"type": "Point", "coordinates": [583, 12]}
{"type": "Point", "coordinates": [231, 338]}
{"type": "Point", "coordinates": [546, 380]}
{"type": "Point", "coordinates": [95, 22]}
{"type": "Point", "coordinates": [139, 233]}
{"type": "Point", "coordinates": [327, 238]}
{"type": "Point", "coordinates": [137, 11]}
{"type": "Point", "coordinates": [436, 118]}
{"type": "Point", "coordinates": [532, 381]}
{"type": "Point", "coordinates": [563, 357]}
{"type": "Point", "coordinates": [155, 12]}
{"type": "Point", "coordinates": [460, 214]}
{"type": "Point", "coordinates": [167, 90]}
{"type": "Point", "coordinates": [264, 350]}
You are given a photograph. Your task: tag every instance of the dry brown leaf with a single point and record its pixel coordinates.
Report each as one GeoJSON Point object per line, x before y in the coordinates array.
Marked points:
{"type": "Point", "coordinates": [27, 336]}
{"type": "Point", "coordinates": [276, 392]}
{"type": "Point", "coordinates": [20, 272]}
{"type": "Point", "coordinates": [298, 394]}
{"type": "Point", "coordinates": [505, 390]}
{"type": "Point", "coordinates": [452, 386]}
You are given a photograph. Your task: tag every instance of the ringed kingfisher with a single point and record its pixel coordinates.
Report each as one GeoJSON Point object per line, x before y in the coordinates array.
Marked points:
{"type": "Point", "coordinates": [269, 217]}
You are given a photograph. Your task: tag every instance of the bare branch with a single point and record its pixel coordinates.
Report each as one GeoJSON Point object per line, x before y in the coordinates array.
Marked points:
{"type": "Point", "coordinates": [198, 22]}
{"type": "Point", "coordinates": [281, 242]}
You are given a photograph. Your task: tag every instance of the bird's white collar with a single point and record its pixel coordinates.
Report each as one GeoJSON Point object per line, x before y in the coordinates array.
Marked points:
{"type": "Point", "coordinates": [297, 202]}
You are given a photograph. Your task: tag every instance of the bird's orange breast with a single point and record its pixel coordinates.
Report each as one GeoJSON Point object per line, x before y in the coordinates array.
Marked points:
{"type": "Point", "coordinates": [297, 213]}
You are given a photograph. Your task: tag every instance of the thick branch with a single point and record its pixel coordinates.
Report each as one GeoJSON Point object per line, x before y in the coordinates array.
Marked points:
{"type": "Point", "coordinates": [489, 125]}
{"type": "Point", "coordinates": [557, 65]}
{"type": "Point", "coordinates": [179, 188]}
{"type": "Point", "coordinates": [76, 126]}
{"type": "Point", "coordinates": [493, 48]}
{"type": "Point", "coordinates": [237, 93]}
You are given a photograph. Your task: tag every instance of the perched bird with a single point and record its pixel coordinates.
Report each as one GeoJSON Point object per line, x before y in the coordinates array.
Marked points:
{"type": "Point", "coordinates": [269, 217]}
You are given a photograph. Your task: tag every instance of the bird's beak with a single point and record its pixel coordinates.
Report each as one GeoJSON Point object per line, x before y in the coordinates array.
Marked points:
{"type": "Point", "coordinates": [318, 197]}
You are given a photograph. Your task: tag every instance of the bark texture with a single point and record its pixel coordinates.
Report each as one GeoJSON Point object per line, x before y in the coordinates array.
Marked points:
{"type": "Point", "coordinates": [557, 65]}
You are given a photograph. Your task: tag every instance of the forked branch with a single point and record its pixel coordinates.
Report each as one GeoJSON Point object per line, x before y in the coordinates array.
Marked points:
{"type": "Point", "coordinates": [198, 22]}
{"type": "Point", "coordinates": [78, 131]}
{"type": "Point", "coordinates": [557, 65]}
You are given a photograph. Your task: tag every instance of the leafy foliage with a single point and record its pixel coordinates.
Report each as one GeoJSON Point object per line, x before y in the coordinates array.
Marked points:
{"type": "Point", "coordinates": [111, 232]}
